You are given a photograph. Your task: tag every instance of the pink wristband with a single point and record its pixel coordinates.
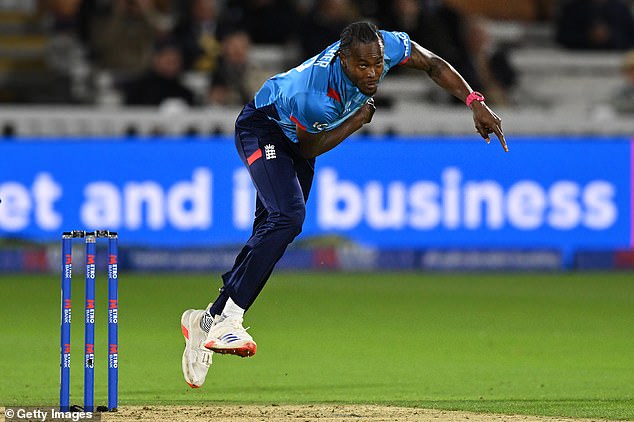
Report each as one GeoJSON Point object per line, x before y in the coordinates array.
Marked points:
{"type": "Point", "coordinates": [474, 96]}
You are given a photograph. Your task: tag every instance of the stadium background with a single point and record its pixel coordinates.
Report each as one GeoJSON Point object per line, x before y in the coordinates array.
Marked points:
{"type": "Point", "coordinates": [416, 191]}
{"type": "Point", "coordinates": [421, 182]}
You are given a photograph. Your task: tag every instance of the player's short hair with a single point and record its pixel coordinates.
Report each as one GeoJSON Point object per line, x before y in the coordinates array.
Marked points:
{"type": "Point", "coordinates": [359, 33]}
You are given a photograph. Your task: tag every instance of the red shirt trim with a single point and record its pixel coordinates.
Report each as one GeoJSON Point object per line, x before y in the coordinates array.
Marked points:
{"type": "Point", "coordinates": [333, 94]}
{"type": "Point", "coordinates": [294, 120]}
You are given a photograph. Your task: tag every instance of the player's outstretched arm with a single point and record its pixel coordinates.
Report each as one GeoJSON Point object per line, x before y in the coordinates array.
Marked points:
{"type": "Point", "coordinates": [313, 144]}
{"type": "Point", "coordinates": [444, 75]}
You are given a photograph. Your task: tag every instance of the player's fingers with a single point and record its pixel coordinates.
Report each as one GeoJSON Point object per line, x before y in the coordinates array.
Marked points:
{"type": "Point", "coordinates": [483, 132]}
{"type": "Point", "coordinates": [369, 110]}
{"type": "Point", "coordinates": [498, 132]}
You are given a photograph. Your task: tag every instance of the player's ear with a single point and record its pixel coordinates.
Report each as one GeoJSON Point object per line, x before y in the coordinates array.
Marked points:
{"type": "Point", "coordinates": [343, 59]}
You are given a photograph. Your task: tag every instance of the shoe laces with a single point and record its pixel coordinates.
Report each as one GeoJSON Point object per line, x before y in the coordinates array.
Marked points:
{"type": "Point", "coordinates": [234, 323]}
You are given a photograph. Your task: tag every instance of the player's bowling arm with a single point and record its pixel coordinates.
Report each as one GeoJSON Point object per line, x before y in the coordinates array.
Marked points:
{"type": "Point", "coordinates": [441, 72]}
{"type": "Point", "coordinates": [444, 75]}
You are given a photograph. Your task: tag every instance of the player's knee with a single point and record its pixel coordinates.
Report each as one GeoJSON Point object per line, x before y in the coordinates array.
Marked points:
{"type": "Point", "coordinates": [297, 219]}
{"type": "Point", "coordinates": [292, 220]}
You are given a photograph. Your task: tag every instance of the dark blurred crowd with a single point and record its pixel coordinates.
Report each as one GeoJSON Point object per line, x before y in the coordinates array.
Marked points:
{"type": "Point", "coordinates": [144, 52]}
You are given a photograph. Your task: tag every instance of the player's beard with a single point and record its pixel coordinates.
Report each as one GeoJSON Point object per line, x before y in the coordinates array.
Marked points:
{"type": "Point", "coordinates": [369, 89]}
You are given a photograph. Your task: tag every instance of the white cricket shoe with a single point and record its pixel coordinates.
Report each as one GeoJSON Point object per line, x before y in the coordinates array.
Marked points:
{"type": "Point", "coordinates": [196, 358]}
{"type": "Point", "coordinates": [228, 336]}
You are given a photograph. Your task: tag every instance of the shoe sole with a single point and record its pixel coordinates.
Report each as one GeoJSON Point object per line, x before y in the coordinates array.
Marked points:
{"type": "Point", "coordinates": [185, 332]}
{"type": "Point", "coordinates": [245, 351]}
{"type": "Point", "coordinates": [185, 370]}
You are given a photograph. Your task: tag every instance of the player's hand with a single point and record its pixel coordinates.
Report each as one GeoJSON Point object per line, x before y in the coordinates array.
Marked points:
{"type": "Point", "coordinates": [367, 111]}
{"type": "Point", "coordinates": [487, 122]}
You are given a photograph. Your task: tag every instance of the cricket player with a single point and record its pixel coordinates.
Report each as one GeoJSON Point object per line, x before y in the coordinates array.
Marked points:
{"type": "Point", "coordinates": [295, 117]}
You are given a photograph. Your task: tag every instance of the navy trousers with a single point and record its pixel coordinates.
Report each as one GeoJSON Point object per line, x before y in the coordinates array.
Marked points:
{"type": "Point", "coordinates": [283, 180]}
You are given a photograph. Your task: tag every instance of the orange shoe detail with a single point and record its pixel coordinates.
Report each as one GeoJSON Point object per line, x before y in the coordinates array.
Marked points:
{"type": "Point", "coordinates": [245, 351]}
{"type": "Point", "coordinates": [185, 332]}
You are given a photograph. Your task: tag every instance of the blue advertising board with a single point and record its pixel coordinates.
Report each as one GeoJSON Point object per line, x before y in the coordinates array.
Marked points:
{"type": "Point", "coordinates": [458, 192]}
{"type": "Point", "coordinates": [393, 192]}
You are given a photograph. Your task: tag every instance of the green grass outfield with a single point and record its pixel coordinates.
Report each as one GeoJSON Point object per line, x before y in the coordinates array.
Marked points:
{"type": "Point", "coordinates": [538, 344]}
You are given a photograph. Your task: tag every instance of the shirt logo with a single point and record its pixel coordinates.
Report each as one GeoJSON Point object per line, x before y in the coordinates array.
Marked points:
{"type": "Point", "coordinates": [325, 60]}
{"type": "Point", "coordinates": [320, 126]}
{"type": "Point", "coordinates": [269, 152]}
{"type": "Point", "coordinates": [406, 43]}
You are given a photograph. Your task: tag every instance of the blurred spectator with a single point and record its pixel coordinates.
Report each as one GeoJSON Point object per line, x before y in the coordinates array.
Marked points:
{"type": "Point", "coordinates": [120, 33]}
{"type": "Point", "coordinates": [65, 53]}
{"type": "Point", "coordinates": [407, 16]}
{"type": "Point", "coordinates": [368, 9]}
{"type": "Point", "coordinates": [444, 33]}
{"type": "Point", "coordinates": [161, 81]}
{"type": "Point", "coordinates": [323, 25]}
{"type": "Point", "coordinates": [231, 80]}
{"type": "Point", "coordinates": [495, 74]}
{"type": "Point", "coordinates": [197, 36]}
{"type": "Point", "coordinates": [266, 21]}
{"type": "Point", "coordinates": [64, 14]}
{"type": "Point", "coordinates": [623, 101]}
{"type": "Point", "coordinates": [596, 25]}
{"type": "Point", "coordinates": [524, 10]}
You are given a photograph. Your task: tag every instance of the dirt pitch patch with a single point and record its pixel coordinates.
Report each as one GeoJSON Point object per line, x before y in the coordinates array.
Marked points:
{"type": "Point", "coordinates": [307, 413]}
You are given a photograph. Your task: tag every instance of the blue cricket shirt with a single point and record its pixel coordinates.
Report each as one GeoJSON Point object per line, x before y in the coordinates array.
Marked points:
{"type": "Point", "coordinates": [316, 95]}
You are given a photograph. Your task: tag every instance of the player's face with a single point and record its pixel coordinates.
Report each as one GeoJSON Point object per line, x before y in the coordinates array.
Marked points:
{"type": "Point", "coordinates": [364, 66]}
